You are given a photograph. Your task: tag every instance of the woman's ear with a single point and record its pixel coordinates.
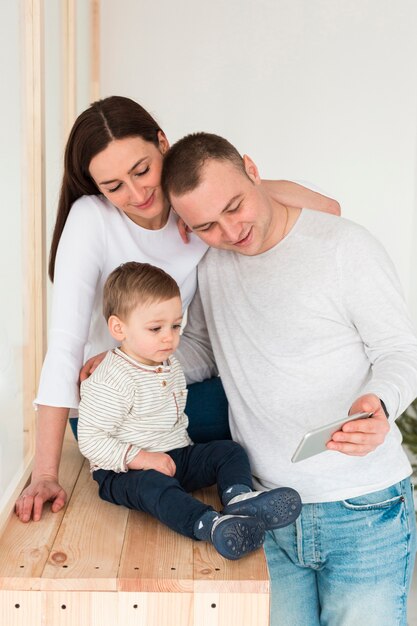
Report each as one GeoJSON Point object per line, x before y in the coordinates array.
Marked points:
{"type": "Point", "coordinates": [251, 169]}
{"type": "Point", "coordinates": [163, 142]}
{"type": "Point", "coordinates": [116, 328]}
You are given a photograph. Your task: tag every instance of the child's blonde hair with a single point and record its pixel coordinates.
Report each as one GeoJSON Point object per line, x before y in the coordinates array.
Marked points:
{"type": "Point", "coordinates": [135, 283]}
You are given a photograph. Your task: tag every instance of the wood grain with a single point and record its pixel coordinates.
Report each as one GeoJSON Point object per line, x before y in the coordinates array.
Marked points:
{"type": "Point", "coordinates": [25, 548]}
{"type": "Point", "coordinates": [155, 558]}
{"type": "Point", "coordinates": [86, 552]}
{"type": "Point", "coordinates": [98, 564]}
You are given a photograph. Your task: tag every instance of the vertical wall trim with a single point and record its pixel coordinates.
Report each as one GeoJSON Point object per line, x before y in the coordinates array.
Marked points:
{"type": "Point", "coordinates": [33, 167]}
{"type": "Point", "coordinates": [95, 50]}
{"type": "Point", "coordinates": [69, 60]}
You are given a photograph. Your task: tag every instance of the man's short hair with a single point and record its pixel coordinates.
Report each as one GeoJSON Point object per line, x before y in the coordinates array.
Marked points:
{"type": "Point", "coordinates": [184, 161]}
{"type": "Point", "coordinates": [135, 283]}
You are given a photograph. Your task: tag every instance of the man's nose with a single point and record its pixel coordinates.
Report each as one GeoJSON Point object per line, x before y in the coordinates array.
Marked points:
{"type": "Point", "coordinates": [230, 231]}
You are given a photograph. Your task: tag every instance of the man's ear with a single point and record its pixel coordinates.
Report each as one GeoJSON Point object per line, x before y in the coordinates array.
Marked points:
{"type": "Point", "coordinates": [116, 328]}
{"type": "Point", "coordinates": [163, 142]}
{"type": "Point", "coordinates": [251, 169]}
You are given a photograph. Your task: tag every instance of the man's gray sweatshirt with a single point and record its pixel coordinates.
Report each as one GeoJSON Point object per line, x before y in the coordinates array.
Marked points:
{"type": "Point", "coordinates": [298, 333]}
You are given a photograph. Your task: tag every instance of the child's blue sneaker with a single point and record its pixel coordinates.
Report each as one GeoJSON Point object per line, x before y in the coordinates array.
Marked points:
{"type": "Point", "coordinates": [275, 509]}
{"type": "Point", "coordinates": [234, 536]}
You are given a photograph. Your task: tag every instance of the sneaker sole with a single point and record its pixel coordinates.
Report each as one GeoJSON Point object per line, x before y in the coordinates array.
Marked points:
{"type": "Point", "coordinates": [275, 509]}
{"type": "Point", "coordinates": [235, 538]}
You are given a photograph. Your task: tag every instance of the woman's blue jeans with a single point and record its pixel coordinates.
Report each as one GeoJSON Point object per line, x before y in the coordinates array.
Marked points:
{"type": "Point", "coordinates": [346, 563]}
{"type": "Point", "coordinates": [207, 410]}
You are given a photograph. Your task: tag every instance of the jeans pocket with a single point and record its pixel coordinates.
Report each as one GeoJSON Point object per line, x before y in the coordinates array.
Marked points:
{"type": "Point", "coordinates": [383, 499]}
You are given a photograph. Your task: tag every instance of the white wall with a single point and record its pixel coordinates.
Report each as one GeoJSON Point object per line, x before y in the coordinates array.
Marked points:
{"type": "Point", "coordinates": [320, 90]}
{"type": "Point", "coordinates": [12, 339]}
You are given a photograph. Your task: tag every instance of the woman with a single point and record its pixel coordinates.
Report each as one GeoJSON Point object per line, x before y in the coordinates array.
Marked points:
{"type": "Point", "coordinates": [111, 210]}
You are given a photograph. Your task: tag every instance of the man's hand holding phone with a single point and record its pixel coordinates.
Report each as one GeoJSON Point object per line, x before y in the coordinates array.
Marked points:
{"type": "Point", "coordinates": [359, 437]}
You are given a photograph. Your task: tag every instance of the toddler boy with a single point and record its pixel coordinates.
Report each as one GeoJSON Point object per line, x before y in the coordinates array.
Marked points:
{"type": "Point", "coordinates": [133, 429]}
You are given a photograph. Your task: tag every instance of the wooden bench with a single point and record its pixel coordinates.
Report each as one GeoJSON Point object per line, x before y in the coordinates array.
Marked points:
{"type": "Point", "coordinates": [96, 564]}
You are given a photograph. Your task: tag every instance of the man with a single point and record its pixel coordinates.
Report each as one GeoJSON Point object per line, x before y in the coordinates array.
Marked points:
{"type": "Point", "coordinates": [303, 315]}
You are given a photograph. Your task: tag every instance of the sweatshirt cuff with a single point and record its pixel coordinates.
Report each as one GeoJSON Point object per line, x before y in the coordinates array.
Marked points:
{"type": "Point", "coordinates": [130, 454]}
{"type": "Point", "coordinates": [384, 408]}
{"type": "Point", "coordinates": [388, 396]}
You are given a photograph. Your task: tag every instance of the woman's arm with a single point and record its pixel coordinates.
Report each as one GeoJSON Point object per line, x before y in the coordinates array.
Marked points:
{"type": "Point", "coordinates": [44, 485]}
{"type": "Point", "coordinates": [295, 195]}
{"type": "Point", "coordinates": [78, 265]}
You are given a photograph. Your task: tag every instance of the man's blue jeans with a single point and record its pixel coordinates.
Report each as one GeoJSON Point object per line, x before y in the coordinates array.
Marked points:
{"type": "Point", "coordinates": [346, 563]}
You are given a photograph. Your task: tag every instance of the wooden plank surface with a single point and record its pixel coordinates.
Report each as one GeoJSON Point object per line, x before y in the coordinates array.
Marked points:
{"type": "Point", "coordinates": [25, 548]}
{"type": "Point", "coordinates": [155, 558]}
{"type": "Point", "coordinates": [79, 608]}
{"type": "Point", "coordinates": [20, 608]}
{"type": "Point", "coordinates": [215, 574]}
{"type": "Point", "coordinates": [163, 579]}
{"type": "Point", "coordinates": [156, 609]}
{"type": "Point", "coordinates": [231, 609]}
{"type": "Point", "coordinates": [95, 608]}
{"type": "Point", "coordinates": [86, 552]}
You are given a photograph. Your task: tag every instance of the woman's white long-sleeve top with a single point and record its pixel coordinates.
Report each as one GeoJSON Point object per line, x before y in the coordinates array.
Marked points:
{"type": "Point", "coordinates": [97, 238]}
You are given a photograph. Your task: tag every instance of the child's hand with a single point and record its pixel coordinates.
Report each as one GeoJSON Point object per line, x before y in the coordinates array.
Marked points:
{"type": "Point", "coordinates": [158, 461]}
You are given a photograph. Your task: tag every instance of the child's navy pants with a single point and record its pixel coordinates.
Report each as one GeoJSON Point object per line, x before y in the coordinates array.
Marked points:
{"type": "Point", "coordinates": [167, 498]}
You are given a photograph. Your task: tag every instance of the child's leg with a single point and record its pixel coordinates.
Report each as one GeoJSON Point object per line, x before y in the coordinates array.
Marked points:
{"type": "Point", "coordinates": [227, 463]}
{"type": "Point", "coordinates": [163, 497]}
{"type": "Point", "coordinates": [205, 464]}
{"type": "Point", "coordinates": [155, 493]}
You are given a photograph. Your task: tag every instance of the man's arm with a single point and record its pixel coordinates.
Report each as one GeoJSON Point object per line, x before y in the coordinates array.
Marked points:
{"type": "Point", "coordinates": [374, 302]}
{"type": "Point", "coordinates": [195, 352]}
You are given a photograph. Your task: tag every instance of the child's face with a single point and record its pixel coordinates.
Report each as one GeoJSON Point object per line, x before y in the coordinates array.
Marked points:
{"type": "Point", "coordinates": [152, 332]}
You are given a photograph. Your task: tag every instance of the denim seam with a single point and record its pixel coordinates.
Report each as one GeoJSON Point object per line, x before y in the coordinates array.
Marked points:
{"type": "Point", "coordinates": [406, 518]}
{"type": "Point", "coordinates": [384, 504]}
{"type": "Point", "coordinates": [317, 541]}
{"type": "Point", "coordinates": [299, 539]}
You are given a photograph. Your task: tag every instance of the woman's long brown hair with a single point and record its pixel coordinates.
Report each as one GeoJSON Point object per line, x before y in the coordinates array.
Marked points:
{"type": "Point", "coordinates": [115, 117]}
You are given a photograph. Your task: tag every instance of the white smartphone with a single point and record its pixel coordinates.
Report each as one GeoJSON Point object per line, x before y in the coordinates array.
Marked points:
{"type": "Point", "coordinates": [314, 442]}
